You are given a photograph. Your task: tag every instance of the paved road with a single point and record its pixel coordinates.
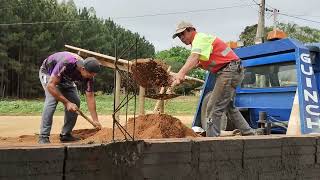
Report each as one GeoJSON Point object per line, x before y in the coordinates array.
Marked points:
{"type": "Point", "coordinates": [13, 126]}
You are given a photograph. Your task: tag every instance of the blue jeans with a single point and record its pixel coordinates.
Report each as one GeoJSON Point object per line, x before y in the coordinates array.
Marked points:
{"type": "Point", "coordinates": [50, 104]}
{"type": "Point", "coordinates": [221, 100]}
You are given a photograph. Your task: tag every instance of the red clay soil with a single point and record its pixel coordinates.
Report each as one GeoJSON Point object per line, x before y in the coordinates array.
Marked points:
{"type": "Point", "coordinates": [150, 74]}
{"type": "Point", "coordinates": [152, 126]}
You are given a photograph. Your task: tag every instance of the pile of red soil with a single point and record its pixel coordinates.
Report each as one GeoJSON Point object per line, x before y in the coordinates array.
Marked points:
{"type": "Point", "coordinates": [152, 126]}
{"type": "Point", "coordinates": [150, 74]}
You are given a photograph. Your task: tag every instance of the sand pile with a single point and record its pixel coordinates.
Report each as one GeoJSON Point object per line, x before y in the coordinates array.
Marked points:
{"type": "Point", "coordinates": [150, 73]}
{"type": "Point", "coordinates": [152, 126]}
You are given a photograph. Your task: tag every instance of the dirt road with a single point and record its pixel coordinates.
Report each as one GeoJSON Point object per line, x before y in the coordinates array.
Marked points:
{"type": "Point", "coordinates": [13, 126]}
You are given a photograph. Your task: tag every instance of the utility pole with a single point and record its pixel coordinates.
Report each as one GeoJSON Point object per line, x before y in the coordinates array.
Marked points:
{"type": "Point", "coordinates": [275, 17]}
{"type": "Point", "coordinates": [260, 29]}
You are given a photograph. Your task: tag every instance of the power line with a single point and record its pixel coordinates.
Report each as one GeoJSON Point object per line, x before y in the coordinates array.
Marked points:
{"type": "Point", "coordinates": [299, 18]}
{"type": "Point", "coordinates": [256, 2]}
{"type": "Point", "coordinates": [181, 12]}
{"type": "Point", "coordinates": [305, 15]}
{"type": "Point", "coordinates": [125, 17]}
{"type": "Point", "coordinates": [42, 22]}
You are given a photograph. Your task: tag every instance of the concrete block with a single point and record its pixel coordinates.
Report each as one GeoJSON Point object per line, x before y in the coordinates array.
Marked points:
{"type": "Point", "coordinates": [237, 175]}
{"type": "Point", "coordinates": [215, 149]}
{"type": "Point", "coordinates": [297, 161]}
{"type": "Point", "coordinates": [281, 175]}
{"type": "Point", "coordinates": [195, 156]}
{"type": "Point", "coordinates": [298, 151]}
{"type": "Point", "coordinates": [221, 168]}
{"type": "Point", "coordinates": [166, 158]}
{"type": "Point", "coordinates": [318, 151]}
{"type": "Point", "coordinates": [299, 141]}
{"type": "Point", "coordinates": [8, 169]}
{"type": "Point", "coordinates": [31, 161]}
{"type": "Point", "coordinates": [168, 171]}
{"type": "Point", "coordinates": [261, 141]}
{"type": "Point", "coordinates": [262, 154]}
{"type": "Point", "coordinates": [35, 177]}
{"type": "Point", "coordinates": [262, 164]}
{"type": "Point", "coordinates": [309, 173]}
{"type": "Point", "coordinates": [119, 160]}
{"type": "Point", "coordinates": [206, 168]}
{"type": "Point", "coordinates": [167, 145]}
{"type": "Point", "coordinates": [262, 147]}
{"type": "Point", "coordinates": [86, 158]}
{"type": "Point", "coordinates": [31, 153]}
{"type": "Point", "coordinates": [248, 175]}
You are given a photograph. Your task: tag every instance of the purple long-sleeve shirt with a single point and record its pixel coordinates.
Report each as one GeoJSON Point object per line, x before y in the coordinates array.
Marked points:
{"type": "Point", "coordinates": [64, 66]}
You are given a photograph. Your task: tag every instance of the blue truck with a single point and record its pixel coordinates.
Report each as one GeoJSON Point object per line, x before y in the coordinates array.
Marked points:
{"type": "Point", "coordinates": [274, 72]}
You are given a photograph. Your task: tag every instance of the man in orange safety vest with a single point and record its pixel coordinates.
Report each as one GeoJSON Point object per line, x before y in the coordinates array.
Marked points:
{"type": "Point", "coordinates": [212, 54]}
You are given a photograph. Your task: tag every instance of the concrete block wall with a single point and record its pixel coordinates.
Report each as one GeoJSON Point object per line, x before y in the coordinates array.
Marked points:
{"type": "Point", "coordinates": [258, 157]}
{"type": "Point", "coordinates": [169, 159]}
{"type": "Point", "coordinates": [34, 163]}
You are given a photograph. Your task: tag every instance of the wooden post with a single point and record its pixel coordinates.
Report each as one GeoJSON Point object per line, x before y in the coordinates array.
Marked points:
{"type": "Point", "coordinates": [159, 107]}
{"type": "Point", "coordinates": [142, 92]}
{"type": "Point", "coordinates": [117, 93]}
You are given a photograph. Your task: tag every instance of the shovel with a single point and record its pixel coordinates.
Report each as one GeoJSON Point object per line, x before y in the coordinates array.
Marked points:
{"type": "Point", "coordinates": [88, 119]}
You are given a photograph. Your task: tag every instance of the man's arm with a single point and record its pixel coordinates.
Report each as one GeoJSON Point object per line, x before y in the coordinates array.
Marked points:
{"type": "Point", "coordinates": [53, 82]}
{"type": "Point", "coordinates": [191, 63]}
{"type": "Point", "coordinates": [91, 102]}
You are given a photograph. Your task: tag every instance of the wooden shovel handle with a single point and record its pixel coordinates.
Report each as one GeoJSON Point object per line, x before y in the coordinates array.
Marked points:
{"type": "Point", "coordinates": [87, 118]}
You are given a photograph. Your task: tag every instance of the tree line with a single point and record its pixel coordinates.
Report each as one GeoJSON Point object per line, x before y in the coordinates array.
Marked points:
{"type": "Point", "coordinates": [32, 30]}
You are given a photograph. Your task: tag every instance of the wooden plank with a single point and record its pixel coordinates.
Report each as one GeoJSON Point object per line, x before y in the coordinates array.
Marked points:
{"type": "Point", "coordinates": [105, 60]}
{"type": "Point", "coordinates": [142, 92]}
{"type": "Point", "coordinates": [117, 94]}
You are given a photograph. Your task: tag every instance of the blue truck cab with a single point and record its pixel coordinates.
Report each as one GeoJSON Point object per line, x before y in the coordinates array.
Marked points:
{"type": "Point", "coordinates": [274, 71]}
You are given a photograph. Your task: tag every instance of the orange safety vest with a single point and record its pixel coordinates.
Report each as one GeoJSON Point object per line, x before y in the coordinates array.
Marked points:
{"type": "Point", "coordinates": [214, 53]}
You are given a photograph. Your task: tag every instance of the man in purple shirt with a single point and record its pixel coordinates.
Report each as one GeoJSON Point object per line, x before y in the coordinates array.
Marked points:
{"type": "Point", "coordinates": [57, 75]}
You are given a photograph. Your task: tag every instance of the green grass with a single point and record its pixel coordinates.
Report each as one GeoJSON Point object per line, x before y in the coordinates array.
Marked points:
{"type": "Point", "coordinates": [183, 105]}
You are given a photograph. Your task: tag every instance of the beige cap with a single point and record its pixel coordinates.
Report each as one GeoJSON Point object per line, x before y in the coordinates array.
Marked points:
{"type": "Point", "coordinates": [181, 27]}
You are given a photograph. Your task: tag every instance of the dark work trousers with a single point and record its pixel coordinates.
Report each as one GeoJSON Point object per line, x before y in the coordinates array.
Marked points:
{"type": "Point", "coordinates": [222, 100]}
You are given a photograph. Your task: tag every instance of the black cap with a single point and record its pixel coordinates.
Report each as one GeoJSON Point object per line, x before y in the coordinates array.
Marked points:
{"type": "Point", "coordinates": [91, 64]}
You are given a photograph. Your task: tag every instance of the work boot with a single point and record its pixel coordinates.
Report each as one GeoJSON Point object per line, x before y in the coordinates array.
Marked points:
{"type": "Point", "coordinates": [254, 132]}
{"type": "Point", "coordinates": [259, 131]}
{"type": "Point", "coordinates": [68, 138]}
{"type": "Point", "coordinates": [44, 140]}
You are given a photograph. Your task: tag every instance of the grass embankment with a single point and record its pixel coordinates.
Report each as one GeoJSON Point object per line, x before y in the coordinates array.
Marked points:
{"type": "Point", "coordinates": [183, 105]}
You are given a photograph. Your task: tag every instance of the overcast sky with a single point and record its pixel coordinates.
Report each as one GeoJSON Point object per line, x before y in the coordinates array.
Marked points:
{"type": "Point", "coordinates": [210, 16]}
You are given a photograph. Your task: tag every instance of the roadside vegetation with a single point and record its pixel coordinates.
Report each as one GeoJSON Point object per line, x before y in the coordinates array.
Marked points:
{"type": "Point", "coordinates": [183, 105]}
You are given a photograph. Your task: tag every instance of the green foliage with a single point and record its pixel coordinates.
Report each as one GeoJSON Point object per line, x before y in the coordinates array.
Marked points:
{"type": "Point", "coordinates": [301, 33]}
{"type": "Point", "coordinates": [176, 57]}
{"type": "Point", "coordinates": [184, 105]}
{"type": "Point", "coordinates": [24, 47]}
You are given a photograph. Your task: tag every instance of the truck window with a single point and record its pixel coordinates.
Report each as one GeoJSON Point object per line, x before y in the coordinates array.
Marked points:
{"type": "Point", "coordinates": [270, 75]}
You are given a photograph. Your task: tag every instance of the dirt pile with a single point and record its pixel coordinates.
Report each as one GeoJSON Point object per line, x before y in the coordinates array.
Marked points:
{"type": "Point", "coordinates": [152, 126]}
{"type": "Point", "coordinates": [150, 74]}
